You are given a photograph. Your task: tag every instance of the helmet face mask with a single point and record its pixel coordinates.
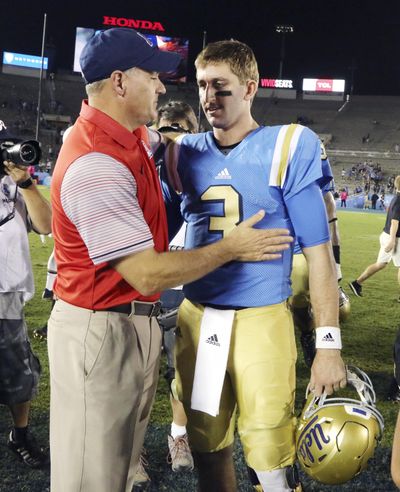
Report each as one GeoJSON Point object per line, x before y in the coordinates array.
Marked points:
{"type": "Point", "coordinates": [335, 436]}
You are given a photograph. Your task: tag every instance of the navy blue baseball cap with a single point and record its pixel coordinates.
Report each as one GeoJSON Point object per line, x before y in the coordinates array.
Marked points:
{"type": "Point", "coordinates": [121, 49]}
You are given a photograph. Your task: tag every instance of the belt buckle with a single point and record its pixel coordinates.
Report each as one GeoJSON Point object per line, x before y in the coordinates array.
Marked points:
{"type": "Point", "coordinates": [155, 309]}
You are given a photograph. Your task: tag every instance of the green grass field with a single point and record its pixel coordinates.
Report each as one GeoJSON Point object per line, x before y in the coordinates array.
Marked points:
{"type": "Point", "coordinates": [368, 338]}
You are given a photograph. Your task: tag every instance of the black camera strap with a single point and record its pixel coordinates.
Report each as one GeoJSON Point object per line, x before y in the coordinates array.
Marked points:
{"type": "Point", "coordinates": [9, 217]}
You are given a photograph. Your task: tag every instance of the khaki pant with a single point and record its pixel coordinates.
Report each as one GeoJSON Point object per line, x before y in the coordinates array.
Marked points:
{"type": "Point", "coordinates": [103, 373]}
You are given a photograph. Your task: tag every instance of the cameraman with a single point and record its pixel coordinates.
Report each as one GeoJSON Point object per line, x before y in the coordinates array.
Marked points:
{"type": "Point", "coordinates": [22, 209]}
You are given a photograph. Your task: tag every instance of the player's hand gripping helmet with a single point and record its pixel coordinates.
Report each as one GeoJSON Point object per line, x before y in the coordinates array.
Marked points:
{"type": "Point", "coordinates": [335, 437]}
{"type": "Point", "coordinates": [344, 305]}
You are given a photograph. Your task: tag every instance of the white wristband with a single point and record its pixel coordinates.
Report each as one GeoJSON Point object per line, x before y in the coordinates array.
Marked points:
{"type": "Point", "coordinates": [328, 337]}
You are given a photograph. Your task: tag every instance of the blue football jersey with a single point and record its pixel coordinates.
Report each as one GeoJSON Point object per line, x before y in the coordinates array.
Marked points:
{"type": "Point", "coordinates": [325, 182]}
{"type": "Point", "coordinates": [265, 171]}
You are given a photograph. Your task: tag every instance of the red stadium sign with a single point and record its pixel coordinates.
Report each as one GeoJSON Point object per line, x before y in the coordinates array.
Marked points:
{"type": "Point", "coordinates": [133, 23]}
{"type": "Point", "coordinates": [324, 85]}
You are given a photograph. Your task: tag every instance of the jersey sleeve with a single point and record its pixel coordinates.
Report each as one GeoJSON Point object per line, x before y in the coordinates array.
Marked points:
{"type": "Point", "coordinates": [171, 186]}
{"type": "Point", "coordinates": [328, 186]}
{"type": "Point", "coordinates": [173, 208]}
{"type": "Point", "coordinates": [307, 213]}
{"type": "Point", "coordinates": [171, 162]}
{"type": "Point", "coordinates": [296, 161]}
{"type": "Point", "coordinates": [326, 180]}
{"type": "Point", "coordinates": [98, 195]}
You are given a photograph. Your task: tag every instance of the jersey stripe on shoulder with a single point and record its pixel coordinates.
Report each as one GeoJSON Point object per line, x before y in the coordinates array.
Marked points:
{"type": "Point", "coordinates": [285, 147]}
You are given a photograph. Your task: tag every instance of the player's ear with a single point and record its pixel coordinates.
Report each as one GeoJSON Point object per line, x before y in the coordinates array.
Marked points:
{"type": "Point", "coordinates": [251, 89]}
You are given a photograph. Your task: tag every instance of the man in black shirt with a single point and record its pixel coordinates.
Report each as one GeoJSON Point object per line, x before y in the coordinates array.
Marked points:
{"type": "Point", "coordinates": [374, 199]}
{"type": "Point", "coordinates": [389, 240]}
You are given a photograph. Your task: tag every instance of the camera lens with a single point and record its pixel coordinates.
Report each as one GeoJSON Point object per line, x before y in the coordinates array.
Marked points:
{"type": "Point", "coordinates": [27, 153]}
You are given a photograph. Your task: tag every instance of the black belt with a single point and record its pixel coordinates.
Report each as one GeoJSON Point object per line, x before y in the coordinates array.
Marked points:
{"type": "Point", "coordinates": [137, 308]}
{"type": "Point", "coordinates": [223, 307]}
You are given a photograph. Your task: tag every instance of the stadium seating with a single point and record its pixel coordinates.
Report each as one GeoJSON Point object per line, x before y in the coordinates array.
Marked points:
{"type": "Point", "coordinates": [344, 127]}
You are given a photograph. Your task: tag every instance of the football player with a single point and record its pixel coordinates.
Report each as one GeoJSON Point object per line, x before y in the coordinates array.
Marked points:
{"type": "Point", "coordinates": [235, 345]}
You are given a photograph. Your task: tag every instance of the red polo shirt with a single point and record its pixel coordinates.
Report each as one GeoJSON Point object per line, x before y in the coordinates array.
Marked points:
{"type": "Point", "coordinates": [83, 279]}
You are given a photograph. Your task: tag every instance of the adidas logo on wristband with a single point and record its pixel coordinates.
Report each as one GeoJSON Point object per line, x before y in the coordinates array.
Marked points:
{"type": "Point", "coordinates": [328, 337]}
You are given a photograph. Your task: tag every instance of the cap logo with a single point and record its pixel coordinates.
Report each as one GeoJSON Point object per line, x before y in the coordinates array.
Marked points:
{"type": "Point", "coordinates": [2, 126]}
{"type": "Point", "coordinates": [144, 37]}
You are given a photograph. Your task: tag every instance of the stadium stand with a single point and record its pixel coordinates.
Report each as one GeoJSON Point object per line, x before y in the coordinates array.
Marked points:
{"type": "Point", "coordinates": [364, 129]}
{"type": "Point", "coordinates": [60, 104]}
{"type": "Point", "coordinates": [318, 115]}
{"type": "Point", "coordinates": [374, 117]}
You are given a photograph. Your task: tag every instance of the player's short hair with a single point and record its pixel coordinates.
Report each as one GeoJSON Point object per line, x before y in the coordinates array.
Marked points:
{"type": "Point", "coordinates": [237, 55]}
{"type": "Point", "coordinates": [397, 183]}
{"type": "Point", "coordinates": [174, 111]}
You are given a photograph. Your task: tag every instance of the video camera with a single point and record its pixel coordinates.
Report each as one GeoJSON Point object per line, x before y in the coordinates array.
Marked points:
{"type": "Point", "coordinates": [25, 153]}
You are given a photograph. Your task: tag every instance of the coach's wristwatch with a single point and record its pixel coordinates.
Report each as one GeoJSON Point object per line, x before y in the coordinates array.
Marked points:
{"type": "Point", "coordinates": [25, 184]}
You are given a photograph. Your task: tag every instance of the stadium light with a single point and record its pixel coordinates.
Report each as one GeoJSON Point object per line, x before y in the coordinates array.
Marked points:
{"type": "Point", "coordinates": [283, 29]}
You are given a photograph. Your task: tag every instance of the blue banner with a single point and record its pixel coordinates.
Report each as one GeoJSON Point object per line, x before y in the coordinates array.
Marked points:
{"type": "Point", "coordinates": [21, 60]}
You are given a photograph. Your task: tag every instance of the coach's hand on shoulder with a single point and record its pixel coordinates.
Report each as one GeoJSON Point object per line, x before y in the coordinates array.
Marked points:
{"type": "Point", "coordinates": [328, 372]}
{"type": "Point", "coordinates": [250, 244]}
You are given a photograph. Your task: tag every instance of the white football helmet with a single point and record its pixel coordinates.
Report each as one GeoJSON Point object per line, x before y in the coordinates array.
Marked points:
{"type": "Point", "coordinates": [335, 437]}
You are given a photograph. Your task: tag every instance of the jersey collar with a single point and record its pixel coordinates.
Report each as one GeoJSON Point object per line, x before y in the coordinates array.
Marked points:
{"type": "Point", "coordinates": [111, 127]}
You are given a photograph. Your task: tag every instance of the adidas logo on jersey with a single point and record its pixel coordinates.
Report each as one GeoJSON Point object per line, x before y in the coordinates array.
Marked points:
{"type": "Point", "coordinates": [213, 340]}
{"type": "Point", "coordinates": [328, 338]}
{"type": "Point", "coordinates": [224, 174]}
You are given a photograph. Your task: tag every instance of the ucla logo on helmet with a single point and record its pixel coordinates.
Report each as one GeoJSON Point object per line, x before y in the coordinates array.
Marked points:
{"type": "Point", "coordinates": [313, 434]}
{"type": "Point", "coordinates": [337, 435]}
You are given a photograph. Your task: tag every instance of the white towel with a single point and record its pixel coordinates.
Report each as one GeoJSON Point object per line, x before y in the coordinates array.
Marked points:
{"type": "Point", "coordinates": [211, 360]}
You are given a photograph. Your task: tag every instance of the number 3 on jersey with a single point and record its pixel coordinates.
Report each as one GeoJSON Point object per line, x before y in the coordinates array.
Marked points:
{"type": "Point", "coordinates": [232, 208]}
